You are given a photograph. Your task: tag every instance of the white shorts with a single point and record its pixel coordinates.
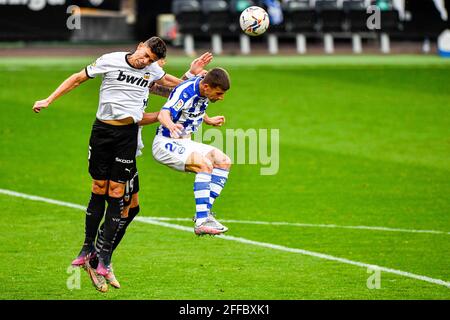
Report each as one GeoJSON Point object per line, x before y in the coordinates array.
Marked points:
{"type": "Point", "coordinates": [174, 152]}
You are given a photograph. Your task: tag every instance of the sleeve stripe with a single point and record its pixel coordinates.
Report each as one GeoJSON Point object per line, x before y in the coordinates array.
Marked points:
{"type": "Point", "coordinates": [87, 73]}
{"type": "Point", "coordinates": [161, 76]}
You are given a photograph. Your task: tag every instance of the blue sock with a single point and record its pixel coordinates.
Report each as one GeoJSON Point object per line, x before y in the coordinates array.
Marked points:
{"type": "Point", "coordinates": [218, 179]}
{"type": "Point", "coordinates": [202, 191]}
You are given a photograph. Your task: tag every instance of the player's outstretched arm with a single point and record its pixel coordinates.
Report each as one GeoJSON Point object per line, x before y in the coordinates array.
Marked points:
{"type": "Point", "coordinates": [197, 67]}
{"type": "Point", "coordinates": [149, 118]}
{"type": "Point", "coordinates": [69, 84]}
{"type": "Point", "coordinates": [165, 119]}
{"type": "Point", "coordinates": [214, 121]}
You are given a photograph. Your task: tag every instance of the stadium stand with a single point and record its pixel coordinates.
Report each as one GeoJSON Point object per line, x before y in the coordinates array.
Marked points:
{"type": "Point", "coordinates": [217, 19]}
{"type": "Point", "coordinates": [304, 19]}
{"type": "Point", "coordinates": [313, 22]}
{"type": "Point", "coordinates": [189, 18]}
{"type": "Point", "coordinates": [300, 19]}
{"type": "Point", "coordinates": [355, 21]}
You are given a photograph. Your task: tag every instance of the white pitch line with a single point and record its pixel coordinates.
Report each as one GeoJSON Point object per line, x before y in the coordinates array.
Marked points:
{"type": "Point", "coordinates": [303, 252]}
{"type": "Point", "coordinates": [41, 199]}
{"type": "Point", "coordinates": [246, 241]}
{"type": "Point", "coordinates": [76, 206]}
{"type": "Point", "coordinates": [294, 224]}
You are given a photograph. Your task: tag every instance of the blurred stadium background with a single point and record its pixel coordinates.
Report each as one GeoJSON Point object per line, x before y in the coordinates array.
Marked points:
{"type": "Point", "coordinates": [364, 173]}
{"type": "Point", "coordinates": [298, 26]}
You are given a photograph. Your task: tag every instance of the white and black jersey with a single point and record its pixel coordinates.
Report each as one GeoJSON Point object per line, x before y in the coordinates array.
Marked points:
{"type": "Point", "coordinates": [123, 93]}
{"type": "Point", "coordinates": [124, 90]}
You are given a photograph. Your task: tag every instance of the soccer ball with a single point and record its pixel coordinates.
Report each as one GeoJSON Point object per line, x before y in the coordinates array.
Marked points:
{"type": "Point", "coordinates": [254, 21]}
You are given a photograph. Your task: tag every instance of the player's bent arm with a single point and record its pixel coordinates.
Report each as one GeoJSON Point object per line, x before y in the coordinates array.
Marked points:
{"type": "Point", "coordinates": [160, 90]}
{"type": "Point", "coordinates": [214, 121]}
{"type": "Point", "coordinates": [149, 118]}
{"type": "Point", "coordinates": [169, 81]}
{"type": "Point", "coordinates": [165, 119]}
{"type": "Point", "coordinates": [69, 84]}
{"type": "Point", "coordinates": [206, 119]}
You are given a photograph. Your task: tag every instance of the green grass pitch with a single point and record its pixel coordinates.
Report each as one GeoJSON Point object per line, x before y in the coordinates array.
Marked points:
{"type": "Point", "coordinates": [364, 141]}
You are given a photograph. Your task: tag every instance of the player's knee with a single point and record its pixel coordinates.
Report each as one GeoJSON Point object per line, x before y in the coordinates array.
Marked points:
{"type": "Point", "coordinates": [198, 163]}
{"type": "Point", "coordinates": [203, 166]}
{"type": "Point", "coordinates": [115, 193]}
{"type": "Point", "coordinates": [116, 190]}
{"type": "Point", "coordinates": [225, 163]}
{"type": "Point", "coordinates": [206, 165]}
{"type": "Point", "coordinates": [99, 186]}
{"type": "Point", "coordinates": [222, 161]}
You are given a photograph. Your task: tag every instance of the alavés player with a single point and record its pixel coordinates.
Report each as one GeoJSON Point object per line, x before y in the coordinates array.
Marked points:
{"type": "Point", "coordinates": [181, 115]}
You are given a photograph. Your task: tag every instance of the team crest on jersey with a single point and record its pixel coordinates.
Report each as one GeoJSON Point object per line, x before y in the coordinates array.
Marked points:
{"type": "Point", "coordinates": [179, 104]}
{"type": "Point", "coordinates": [147, 76]}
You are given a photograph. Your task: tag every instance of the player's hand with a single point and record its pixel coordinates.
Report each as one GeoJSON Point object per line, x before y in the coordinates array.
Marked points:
{"type": "Point", "coordinates": [41, 104]}
{"type": "Point", "coordinates": [200, 63]}
{"type": "Point", "coordinates": [176, 130]}
{"type": "Point", "coordinates": [216, 121]}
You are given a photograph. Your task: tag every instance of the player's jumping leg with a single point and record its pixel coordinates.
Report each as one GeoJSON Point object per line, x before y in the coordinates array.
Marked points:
{"type": "Point", "coordinates": [129, 213]}
{"type": "Point", "coordinates": [127, 217]}
{"type": "Point", "coordinates": [204, 222]}
{"type": "Point", "coordinates": [94, 215]}
{"type": "Point", "coordinates": [112, 219]}
{"type": "Point", "coordinates": [222, 164]}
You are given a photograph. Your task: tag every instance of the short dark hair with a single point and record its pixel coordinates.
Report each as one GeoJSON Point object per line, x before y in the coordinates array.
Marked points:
{"type": "Point", "coordinates": [218, 77]}
{"type": "Point", "coordinates": [158, 46]}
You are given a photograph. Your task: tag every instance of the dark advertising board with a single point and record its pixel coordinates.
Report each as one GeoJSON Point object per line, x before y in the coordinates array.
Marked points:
{"type": "Point", "coordinates": [45, 20]}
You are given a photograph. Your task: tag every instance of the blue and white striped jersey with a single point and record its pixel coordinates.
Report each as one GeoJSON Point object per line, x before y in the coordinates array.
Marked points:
{"type": "Point", "coordinates": [186, 106]}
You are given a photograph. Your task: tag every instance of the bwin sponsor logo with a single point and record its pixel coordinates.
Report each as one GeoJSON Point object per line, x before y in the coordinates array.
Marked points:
{"type": "Point", "coordinates": [124, 160]}
{"type": "Point", "coordinates": [132, 79]}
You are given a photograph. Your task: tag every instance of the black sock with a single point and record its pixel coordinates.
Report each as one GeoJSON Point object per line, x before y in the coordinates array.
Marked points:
{"type": "Point", "coordinates": [112, 220]}
{"type": "Point", "coordinates": [124, 223]}
{"type": "Point", "coordinates": [94, 215]}
{"type": "Point", "coordinates": [100, 239]}
{"type": "Point", "coordinates": [98, 246]}
{"type": "Point", "coordinates": [99, 243]}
